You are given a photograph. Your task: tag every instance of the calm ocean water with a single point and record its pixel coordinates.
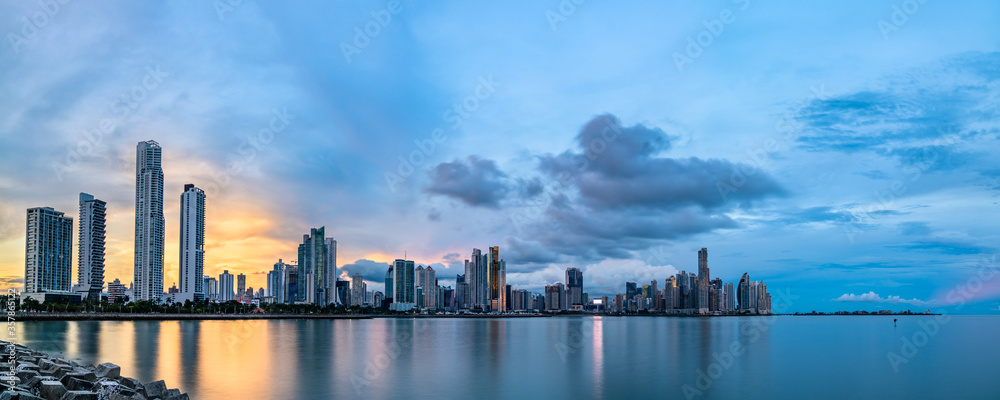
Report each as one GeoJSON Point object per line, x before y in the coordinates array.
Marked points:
{"type": "Point", "coordinates": [783, 357]}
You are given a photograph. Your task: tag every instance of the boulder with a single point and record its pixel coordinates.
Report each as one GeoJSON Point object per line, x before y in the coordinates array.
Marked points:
{"type": "Point", "coordinates": [172, 393]}
{"type": "Point", "coordinates": [51, 390]}
{"type": "Point", "coordinates": [109, 370]}
{"type": "Point", "coordinates": [179, 397]}
{"type": "Point", "coordinates": [79, 395]}
{"type": "Point", "coordinates": [156, 389]}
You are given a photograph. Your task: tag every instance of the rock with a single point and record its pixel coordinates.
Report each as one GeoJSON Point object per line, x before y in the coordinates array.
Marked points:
{"type": "Point", "coordinates": [17, 395]}
{"type": "Point", "coordinates": [70, 380]}
{"type": "Point", "coordinates": [156, 389]}
{"type": "Point", "coordinates": [26, 375]}
{"type": "Point", "coordinates": [79, 384]}
{"type": "Point", "coordinates": [51, 390]}
{"type": "Point", "coordinates": [21, 366]}
{"type": "Point", "coordinates": [79, 395]}
{"type": "Point", "coordinates": [180, 397]}
{"type": "Point", "coordinates": [109, 370]}
{"type": "Point", "coordinates": [130, 383]}
{"type": "Point", "coordinates": [173, 393]}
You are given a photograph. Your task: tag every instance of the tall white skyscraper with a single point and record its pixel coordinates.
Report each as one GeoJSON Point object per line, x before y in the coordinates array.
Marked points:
{"type": "Point", "coordinates": [192, 266]}
{"type": "Point", "coordinates": [148, 281]}
{"type": "Point", "coordinates": [48, 251]}
{"type": "Point", "coordinates": [90, 256]}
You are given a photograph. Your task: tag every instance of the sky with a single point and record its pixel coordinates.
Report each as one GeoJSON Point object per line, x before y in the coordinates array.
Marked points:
{"type": "Point", "coordinates": [844, 153]}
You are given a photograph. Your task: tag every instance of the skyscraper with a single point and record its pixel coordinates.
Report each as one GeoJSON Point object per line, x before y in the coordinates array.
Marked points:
{"type": "Point", "coordinates": [430, 288]}
{"type": "Point", "coordinates": [276, 287]}
{"type": "Point", "coordinates": [241, 285]}
{"type": "Point", "coordinates": [313, 273]}
{"type": "Point", "coordinates": [703, 281]}
{"type": "Point", "coordinates": [211, 288]}
{"type": "Point", "coordinates": [574, 286]}
{"type": "Point", "coordinates": [226, 286]}
{"type": "Point", "coordinates": [90, 261]}
{"type": "Point", "coordinates": [730, 294]}
{"type": "Point", "coordinates": [389, 292]}
{"type": "Point", "coordinates": [192, 266]}
{"type": "Point", "coordinates": [476, 275]}
{"type": "Point", "coordinates": [403, 284]}
{"type": "Point", "coordinates": [329, 284]}
{"type": "Point", "coordinates": [357, 290]}
{"type": "Point", "coordinates": [495, 288]}
{"type": "Point", "coordinates": [148, 281]}
{"type": "Point", "coordinates": [418, 286]}
{"type": "Point", "coordinates": [743, 293]}
{"type": "Point", "coordinates": [48, 251]}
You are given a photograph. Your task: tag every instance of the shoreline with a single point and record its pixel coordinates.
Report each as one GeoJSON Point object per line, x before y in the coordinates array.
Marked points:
{"type": "Point", "coordinates": [24, 317]}
{"type": "Point", "coordinates": [29, 373]}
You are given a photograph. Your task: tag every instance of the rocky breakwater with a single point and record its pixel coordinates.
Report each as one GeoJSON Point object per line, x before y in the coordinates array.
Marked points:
{"type": "Point", "coordinates": [28, 374]}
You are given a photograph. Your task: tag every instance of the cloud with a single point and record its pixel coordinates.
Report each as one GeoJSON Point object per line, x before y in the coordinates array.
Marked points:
{"type": "Point", "coordinates": [616, 166]}
{"type": "Point", "coordinates": [919, 118]}
{"type": "Point", "coordinates": [872, 297]}
{"type": "Point", "coordinates": [476, 182]}
{"type": "Point", "coordinates": [372, 271]}
{"type": "Point", "coordinates": [944, 246]}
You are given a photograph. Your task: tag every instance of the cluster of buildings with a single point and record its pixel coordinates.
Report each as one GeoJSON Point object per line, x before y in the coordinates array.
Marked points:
{"type": "Point", "coordinates": [314, 279]}
{"type": "Point", "coordinates": [49, 243]}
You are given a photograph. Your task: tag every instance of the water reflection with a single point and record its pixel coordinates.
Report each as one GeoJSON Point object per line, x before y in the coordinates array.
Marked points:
{"type": "Point", "coordinates": [559, 357]}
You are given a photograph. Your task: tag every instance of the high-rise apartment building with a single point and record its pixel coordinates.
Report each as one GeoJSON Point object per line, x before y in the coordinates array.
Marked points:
{"type": "Point", "coordinates": [574, 286]}
{"type": "Point", "coordinates": [226, 286]}
{"type": "Point", "coordinates": [241, 288]}
{"type": "Point", "coordinates": [357, 290]}
{"type": "Point", "coordinates": [192, 244]}
{"type": "Point", "coordinates": [276, 287]}
{"type": "Point", "coordinates": [149, 224]}
{"type": "Point", "coordinates": [404, 286]}
{"type": "Point", "coordinates": [48, 252]}
{"type": "Point", "coordinates": [91, 238]}
{"type": "Point", "coordinates": [317, 281]}
{"type": "Point", "coordinates": [703, 281]}
{"type": "Point", "coordinates": [329, 276]}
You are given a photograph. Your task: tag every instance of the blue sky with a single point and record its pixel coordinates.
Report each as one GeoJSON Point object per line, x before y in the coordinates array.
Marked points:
{"type": "Point", "coordinates": [842, 152]}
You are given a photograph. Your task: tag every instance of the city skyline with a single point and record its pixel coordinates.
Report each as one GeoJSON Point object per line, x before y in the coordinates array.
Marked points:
{"type": "Point", "coordinates": [842, 169]}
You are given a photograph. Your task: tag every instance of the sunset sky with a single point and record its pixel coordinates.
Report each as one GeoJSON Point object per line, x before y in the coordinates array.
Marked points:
{"type": "Point", "coordinates": [843, 152]}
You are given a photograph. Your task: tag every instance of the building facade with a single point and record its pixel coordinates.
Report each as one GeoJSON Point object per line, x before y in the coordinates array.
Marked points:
{"type": "Point", "coordinates": [48, 253]}
{"type": "Point", "coordinates": [91, 244]}
{"type": "Point", "coordinates": [192, 244]}
{"type": "Point", "coordinates": [149, 224]}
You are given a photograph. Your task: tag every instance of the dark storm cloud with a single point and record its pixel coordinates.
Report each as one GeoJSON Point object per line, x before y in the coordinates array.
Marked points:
{"type": "Point", "coordinates": [370, 270]}
{"type": "Point", "coordinates": [476, 182]}
{"type": "Point", "coordinates": [617, 167]}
